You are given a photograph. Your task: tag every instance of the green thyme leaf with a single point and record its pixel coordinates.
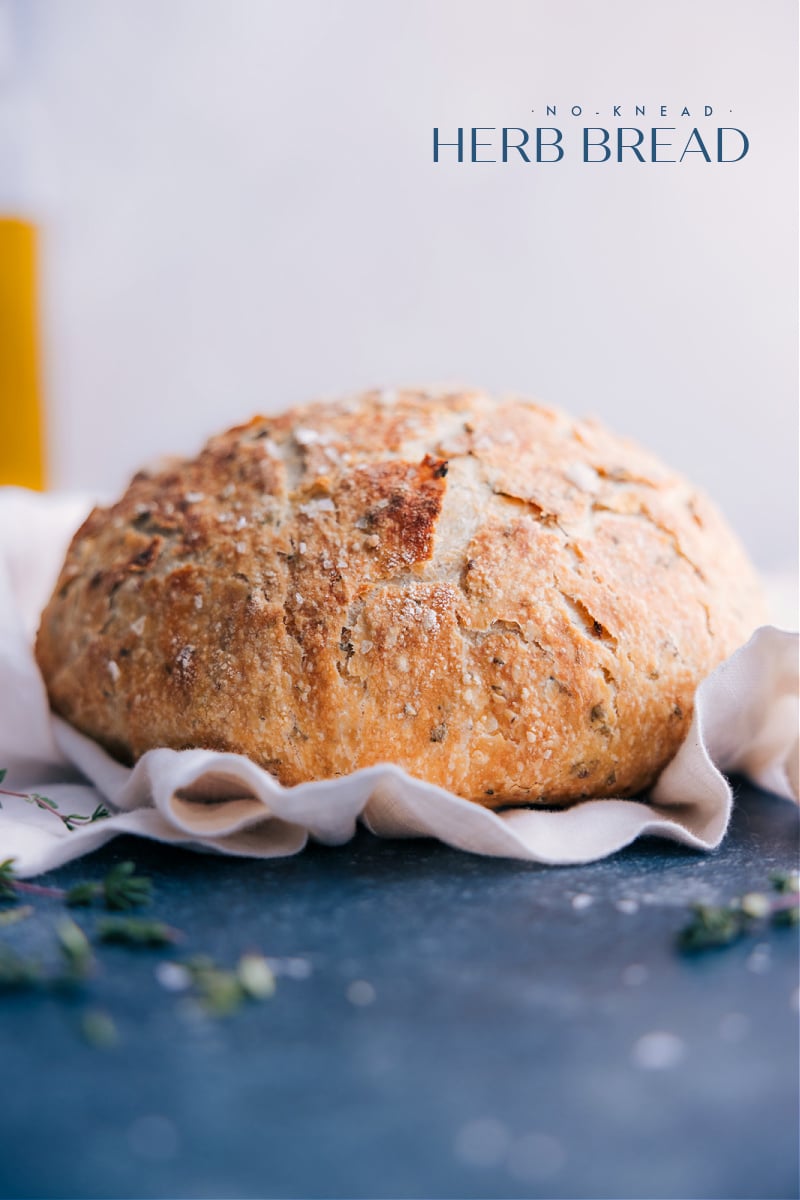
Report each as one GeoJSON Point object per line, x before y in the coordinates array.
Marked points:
{"type": "Point", "coordinates": [785, 881]}
{"type": "Point", "coordinates": [787, 916]}
{"type": "Point", "coordinates": [755, 905]}
{"type": "Point", "coordinates": [16, 972]}
{"type": "Point", "coordinates": [7, 889]}
{"type": "Point", "coordinates": [710, 926]}
{"type": "Point", "coordinates": [42, 801]}
{"type": "Point", "coordinates": [122, 889]}
{"type": "Point", "coordinates": [255, 976]}
{"type": "Point", "coordinates": [219, 991]}
{"type": "Point", "coordinates": [135, 931]}
{"type": "Point", "coordinates": [83, 894]}
{"type": "Point", "coordinates": [75, 948]}
{"type": "Point", "coordinates": [99, 1029]}
{"type": "Point", "coordinates": [11, 916]}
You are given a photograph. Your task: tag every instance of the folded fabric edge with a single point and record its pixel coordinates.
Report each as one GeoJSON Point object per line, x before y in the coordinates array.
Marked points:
{"type": "Point", "coordinates": [386, 800]}
{"type": "Point", "coordinates": [32, 857]}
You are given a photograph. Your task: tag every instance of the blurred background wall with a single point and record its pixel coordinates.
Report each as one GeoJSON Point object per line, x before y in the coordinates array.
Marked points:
{"type": "Point", "coordinates": [239, 211]}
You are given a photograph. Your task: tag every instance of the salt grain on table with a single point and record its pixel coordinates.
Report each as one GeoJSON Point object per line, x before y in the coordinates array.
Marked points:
{"type": "Point", "coordinates": [658, 1051]}
{"type": "Point", "coordinates": [361, 993]}
{"type": "Point", "coordinates": [483, 1142]}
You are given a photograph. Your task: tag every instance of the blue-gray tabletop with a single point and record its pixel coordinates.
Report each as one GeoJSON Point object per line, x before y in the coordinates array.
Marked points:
{"type": "Point", "coordinates": [444, 1025]}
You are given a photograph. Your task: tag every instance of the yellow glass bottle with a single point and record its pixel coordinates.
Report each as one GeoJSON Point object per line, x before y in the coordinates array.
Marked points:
{"type": "Point", "coordinates": [21, 415]}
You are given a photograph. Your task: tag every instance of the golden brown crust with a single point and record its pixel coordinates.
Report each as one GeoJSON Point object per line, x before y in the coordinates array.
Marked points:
{"type": "Point", "coordinates": [506, 602]}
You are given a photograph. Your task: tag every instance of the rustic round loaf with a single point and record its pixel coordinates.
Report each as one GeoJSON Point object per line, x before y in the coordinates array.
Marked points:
{"type": "Point", "coordinates": [506, 602]}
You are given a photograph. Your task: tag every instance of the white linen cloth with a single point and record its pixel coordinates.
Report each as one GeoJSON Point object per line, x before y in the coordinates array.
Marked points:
{"type": "Point", "coordinates": [745, 719]}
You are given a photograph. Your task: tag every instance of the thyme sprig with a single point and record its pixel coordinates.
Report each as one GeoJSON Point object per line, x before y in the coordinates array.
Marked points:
{"type": "Point", "coordinates": [218, 991]}
{"type": "Point", "coordinates": [120, 890]}
{"type": "Point", "coordinates": [222, 991]}
{"type": "Point", "coordinates": [77, 963]}
{"type": "Point", "coordinates": [720, 925]}
{"type": "Point", "coordinates": [134, 931]}
{"type": "Point", "coordinates": [10, 886]}
{"type": "Point", "coordinates": [70, 821]}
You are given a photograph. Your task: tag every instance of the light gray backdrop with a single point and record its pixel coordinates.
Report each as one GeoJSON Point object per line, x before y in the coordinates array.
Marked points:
{"type": "Point", "coordinates": [242, 212]}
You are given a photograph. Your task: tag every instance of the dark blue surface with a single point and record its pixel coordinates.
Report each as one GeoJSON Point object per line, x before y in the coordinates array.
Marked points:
{"type": "Point", "coordinates": [496, 1001]}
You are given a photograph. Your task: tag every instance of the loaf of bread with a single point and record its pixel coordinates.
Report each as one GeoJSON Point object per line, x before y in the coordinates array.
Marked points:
{"type": "Point", "coordinates": [506, 602]}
